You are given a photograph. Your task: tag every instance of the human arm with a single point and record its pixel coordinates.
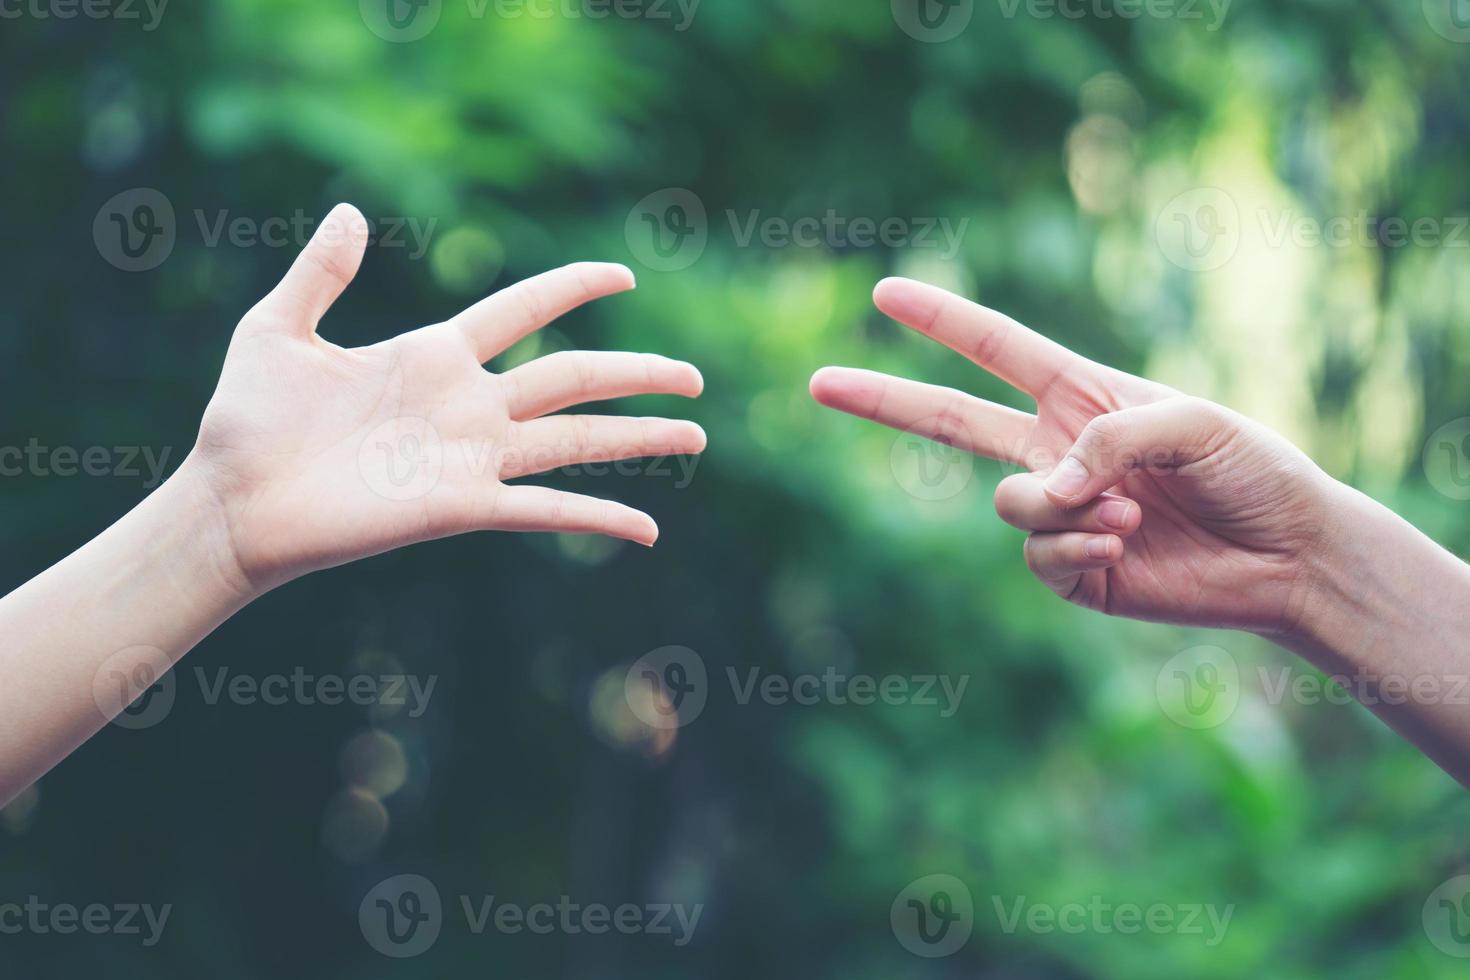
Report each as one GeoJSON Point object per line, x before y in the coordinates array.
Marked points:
{"type": "Point", "coordinates": [311, 455]}
{"type": "Point", "coordinates": [1140, 501]}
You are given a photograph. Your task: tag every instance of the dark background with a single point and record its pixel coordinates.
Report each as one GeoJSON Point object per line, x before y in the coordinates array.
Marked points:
{"type": "Point", "coordinates": [805, 539]}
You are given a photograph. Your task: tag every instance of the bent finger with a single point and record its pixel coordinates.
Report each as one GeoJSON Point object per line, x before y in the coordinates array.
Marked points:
{"type": "Point", "coordinates": [1021, 502]}
{"type": "Point", "coordinates": [1061, 559]}
{"type": "Point", "coordinates": [1167, 435]}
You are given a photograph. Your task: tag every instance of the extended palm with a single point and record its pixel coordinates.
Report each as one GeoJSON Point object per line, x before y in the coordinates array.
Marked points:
{"type": "Point", "coordinates": [320, 454]}
{"type": "Point", "coordinates": [1224, 513]}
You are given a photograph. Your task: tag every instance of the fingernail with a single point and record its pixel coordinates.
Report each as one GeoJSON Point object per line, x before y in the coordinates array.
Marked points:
{"type": "Point", "coordinates": [1067, 480]}
{"type": "Point", "coordinates": [1115, 513]}
{"type": "Point", "coordinates": [1098, 549]}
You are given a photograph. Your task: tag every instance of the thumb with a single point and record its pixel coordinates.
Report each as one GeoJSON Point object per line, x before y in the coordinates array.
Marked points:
{"type": "Point", "coordinates": [1163, 435]}
{"type": "Point", "coordinates": [320, 273]}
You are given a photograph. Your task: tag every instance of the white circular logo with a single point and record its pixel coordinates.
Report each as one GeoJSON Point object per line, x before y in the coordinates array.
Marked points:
{"type": "Point", "coordinates": [1199, 231]}
{"type": "Point", "coordinates": [1199, 687]}
{"type": "Point", "coordinates": [667, 688]}
{"type": "Point", "coordinates": [135, 687]}
{"type": "Point", "coordinates": [933, 916]}
{"type": "Point", "coordinates": [1450, 19]}
{"type": "Point", "coordinates": [1447, 459]}
{"type": "Point", "coordinates": [668, 230]}
{"type": "Point", "coordinates": [400, 21]}
{"type": "Point", "coordinates": [933, 21]}
{"type": "Point", "coordinates": [402, 459]}
{"type": "Point", "coordinates": [928, 469]}
{"type": "Point", "coordinates": [401, 917]}
{"type": "Point", "coordinates": [135, 231]}
{"type": "Point", "coordinates": [1447, 917]}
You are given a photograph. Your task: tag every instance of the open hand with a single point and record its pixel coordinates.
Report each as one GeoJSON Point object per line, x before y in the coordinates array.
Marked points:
{"type": "Point", "coordinates": [1140, 501]}
{"type": "Point", "coordinates": [318, 455]}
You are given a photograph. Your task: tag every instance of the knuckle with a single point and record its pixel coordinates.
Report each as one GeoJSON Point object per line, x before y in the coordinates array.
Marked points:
{"type": "Point", "coordinates": [1031, 551]}
{"type": "Point", "coordinates": [1008, 500]}
{"type": "Point", "coordinates": [1103, 433]}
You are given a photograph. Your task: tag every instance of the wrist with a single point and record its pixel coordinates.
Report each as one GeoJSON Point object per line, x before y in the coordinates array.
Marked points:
{"type": "Point", "coordinates": [1327, 603]}
{"type": "Point", "coordinates": [191, 503]}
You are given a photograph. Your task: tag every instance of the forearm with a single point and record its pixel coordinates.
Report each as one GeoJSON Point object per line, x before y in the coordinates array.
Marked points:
{"type": "Point", "coordinates": [139, 595]}
{"type": "Point", "coordinates": [1390, 609]}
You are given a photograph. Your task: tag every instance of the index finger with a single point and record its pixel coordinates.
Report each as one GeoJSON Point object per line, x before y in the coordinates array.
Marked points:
{"type": "Point", "coordinates": [1018, 356]}
{"type": "Point", "coordinates": [501, 319]}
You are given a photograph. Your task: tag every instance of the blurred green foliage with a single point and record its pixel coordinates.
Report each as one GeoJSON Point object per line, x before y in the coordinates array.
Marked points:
{"type": "Point", "coordinates": [523, 142]}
